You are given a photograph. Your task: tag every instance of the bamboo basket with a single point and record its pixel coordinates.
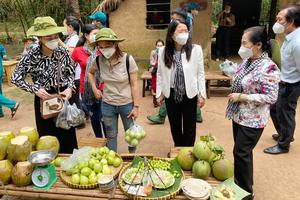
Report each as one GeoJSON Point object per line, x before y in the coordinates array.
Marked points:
{"type": "Point", "coordinates": [67, 179]}
{"type": "Point", "coordinates": [130, 196]}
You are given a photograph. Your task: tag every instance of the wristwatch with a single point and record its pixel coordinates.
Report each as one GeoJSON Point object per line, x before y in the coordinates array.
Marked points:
{"type": "Point", "coordinates": [135, 106]}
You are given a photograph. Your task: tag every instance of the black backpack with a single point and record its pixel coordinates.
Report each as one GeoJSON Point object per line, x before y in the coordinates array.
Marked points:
{"type": "Point", "coordinates": [127, 64]}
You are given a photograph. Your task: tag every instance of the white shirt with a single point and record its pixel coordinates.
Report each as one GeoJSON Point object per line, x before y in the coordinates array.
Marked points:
{"type": "Point", "coordinates": [193, 71]}
{"type": "Point", "coordinates": [290, 57]}
{"type": "Point", "coordinates": [71, 42]}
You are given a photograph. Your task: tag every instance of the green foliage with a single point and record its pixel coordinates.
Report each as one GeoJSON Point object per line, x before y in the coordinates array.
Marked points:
{"type": "Point", "coordinates": [265, 10]}
{"type": "Point", "coordinates": [217, 6]}
{"type": "Point", "coordinates": [24, 12]}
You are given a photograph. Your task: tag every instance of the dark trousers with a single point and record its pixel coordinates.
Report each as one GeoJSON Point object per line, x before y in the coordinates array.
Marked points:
{"type": "Point", "coordinates": [245, 139]}
{"type": "Point", "coordinates": [182, 118]}
{"type": "Point", "coordinates": [95, 113]}
{"type": "Point", "coordinates": [67, 138]}
{"type": "Point", "coordinates": [283, 112]}
{"type": "Point", "coordinates": [223, 41]}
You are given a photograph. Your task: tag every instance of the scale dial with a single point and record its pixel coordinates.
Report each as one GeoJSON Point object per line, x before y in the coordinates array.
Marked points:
{"type": "Point", "coordinates": [40, 177]}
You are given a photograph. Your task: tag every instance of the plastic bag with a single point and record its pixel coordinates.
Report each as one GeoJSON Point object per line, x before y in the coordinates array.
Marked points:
{"type": "Point", "coordinates": [78, 156]}
{"type": "Point", "coordinates": [135, 134]}
{"type": "Point", "coordinates": [61, 120]}
{"type": "Point", "coordinates": [228, 68]}
{"type": "Point", "coordinates": [70, 116]}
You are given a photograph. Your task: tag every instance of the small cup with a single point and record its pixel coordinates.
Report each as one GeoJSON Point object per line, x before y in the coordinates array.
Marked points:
{"type": "Point", "coordinates": [106, 183]}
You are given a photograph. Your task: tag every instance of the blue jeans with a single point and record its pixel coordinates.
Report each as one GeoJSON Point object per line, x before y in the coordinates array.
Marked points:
{"type": "Point", "coordinates": [95, 113]}
{"type": "Point", "coordinates": [110, 116]}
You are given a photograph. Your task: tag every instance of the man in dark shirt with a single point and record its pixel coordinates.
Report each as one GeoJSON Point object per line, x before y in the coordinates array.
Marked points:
{"type": "Point", "coordinates": [226, 21]}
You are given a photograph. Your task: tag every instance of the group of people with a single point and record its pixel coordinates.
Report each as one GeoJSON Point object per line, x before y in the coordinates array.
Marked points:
{"type": "Point", "coordinates": [107, 83]}
{"type": "Point", "coordinates": [259, 88]}
{"type": "Point", "coordinates": [93, 73]}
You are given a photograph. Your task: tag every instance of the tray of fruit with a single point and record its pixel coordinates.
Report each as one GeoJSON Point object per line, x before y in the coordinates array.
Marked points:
{"type": "Point", "coordinates": [85, 175]}
{"type": "Point", "coordinates": [156, 178]}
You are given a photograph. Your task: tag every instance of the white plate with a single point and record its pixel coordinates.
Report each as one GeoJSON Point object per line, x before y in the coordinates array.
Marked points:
{"type": "Point", "coordinates": [196, 188]}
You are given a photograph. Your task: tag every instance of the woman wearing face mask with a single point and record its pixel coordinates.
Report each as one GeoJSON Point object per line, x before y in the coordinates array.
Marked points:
{"type": "Point", "coordinates": [73, 27]}
{"type": "Point", "coordinates": [153, 68]}
{"type": "Point", "coordinates": [254, 89]}
{"type": "Point", "coordinates": [83, 54]}
{"type": "Point", "coordinates": [120, 95]}
{"type": "Point", "coordinates": [42, 64]}
{"type": "Point", "coordinates": [180, 80]}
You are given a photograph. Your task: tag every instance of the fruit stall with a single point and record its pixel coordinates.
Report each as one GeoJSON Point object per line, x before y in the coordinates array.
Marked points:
{"type": "Point", "coordinates": [31, 167]}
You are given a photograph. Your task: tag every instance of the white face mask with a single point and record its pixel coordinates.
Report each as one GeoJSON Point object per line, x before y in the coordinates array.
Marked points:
{"type": "Point", "coordinates": [108, 52]}
{"type": "Point", "coordinates": [65, 33]}
{"type": "Point", "coordinates": [182, 38]}
{"type": "Point", "coordinates": [52, 44]}
{"type": "Point", "coordinates": [245, 52]}
{"type": "Point", "coordinates": [92, 38]}
{"type": "Point", "coordinates": [278, 28]}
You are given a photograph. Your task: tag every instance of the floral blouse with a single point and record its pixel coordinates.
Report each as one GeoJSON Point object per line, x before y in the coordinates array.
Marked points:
{"type": "Point", "coordinates": [43, 70]}
{"type": "Point", "coordinates": [261, 87]}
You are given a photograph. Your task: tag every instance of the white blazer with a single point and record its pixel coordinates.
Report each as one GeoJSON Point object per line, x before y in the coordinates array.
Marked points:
{"type": "Point", "coordinates": [193, 71]}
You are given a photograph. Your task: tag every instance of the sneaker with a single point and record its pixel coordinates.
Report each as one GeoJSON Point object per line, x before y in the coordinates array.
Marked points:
{"type": "Point", "coordinates": [156, 119]}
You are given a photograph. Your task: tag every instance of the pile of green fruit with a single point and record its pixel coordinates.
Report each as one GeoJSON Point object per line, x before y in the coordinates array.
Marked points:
{"type": "Point", "coordinates": [156, 164]}
{"type": "Point", "coordinates": [102, 161]}
{"type": "Point", "coordinates": [134, 135]}
{"type": "Point", "coordinates": [206, 158]}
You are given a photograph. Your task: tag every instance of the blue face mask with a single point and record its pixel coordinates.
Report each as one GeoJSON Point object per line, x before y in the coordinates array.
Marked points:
{"type": "Point", "coordinates": [157, 50]}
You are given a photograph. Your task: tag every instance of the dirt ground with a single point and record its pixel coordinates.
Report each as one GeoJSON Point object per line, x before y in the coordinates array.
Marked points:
{"type": "Point", "coordinates": [276, 177]}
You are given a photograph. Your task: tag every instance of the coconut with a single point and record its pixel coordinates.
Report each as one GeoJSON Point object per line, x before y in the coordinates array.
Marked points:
{"type": "Point", "coordinates": [19, 149]}
{"type": "Point", "coordinates": [5, 171]}
{"type": "Point", "coordinates": [31, 133]}
{"type": "Point", "coordinates": [7, 134]}
{"type": "Point", "coordinates": [222, 169]}
{"type": "Point", "coordinates": [21, 173]}
{"type": "Point", "coordinates": [48, 143]}
{"type": "Point", "coordinates": [3, 147]}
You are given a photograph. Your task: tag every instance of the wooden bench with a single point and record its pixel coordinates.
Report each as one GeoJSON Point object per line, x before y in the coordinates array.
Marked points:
{"type": "Point", "coordinates": [146, 76]}
{"type": "Point", "coordinates": [9, 67]}
{"type": "Point", "coordinates": [214, 75]}
{"type": "Point", "coordinates": [209, 76]}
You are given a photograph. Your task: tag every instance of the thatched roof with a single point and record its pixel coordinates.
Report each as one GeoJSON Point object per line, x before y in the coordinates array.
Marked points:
{"type": "Point", "coordinates": [108, 6]}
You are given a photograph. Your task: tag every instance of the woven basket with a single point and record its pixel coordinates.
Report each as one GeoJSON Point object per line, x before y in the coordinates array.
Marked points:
{"type": "Point", "coordinates": [67, 179]}
{"type": "Point", "coordinates": [130, 196]}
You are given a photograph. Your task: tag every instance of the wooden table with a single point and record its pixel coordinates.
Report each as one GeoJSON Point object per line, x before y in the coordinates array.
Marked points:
{"type": "Point", "coordinates": [62, 191]}
{"type": "Point", "coordinates": [214, 75]}
{"type": "Point", "coordinates": [9, 66]}
{"type": "Point", "coordinates": [146, 76]}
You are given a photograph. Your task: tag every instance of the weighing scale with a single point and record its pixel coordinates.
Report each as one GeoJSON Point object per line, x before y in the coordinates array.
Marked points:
{"type": "Point", "coordinates": [43, 175]}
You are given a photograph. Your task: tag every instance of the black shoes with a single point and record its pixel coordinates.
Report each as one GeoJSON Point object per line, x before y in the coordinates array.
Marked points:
{"type": "Point", "coordinates": [249, 197]}
{"type": "Point", "coordinates": [276, 137]}
{"type": "Point", "coordinates": [275, 150]}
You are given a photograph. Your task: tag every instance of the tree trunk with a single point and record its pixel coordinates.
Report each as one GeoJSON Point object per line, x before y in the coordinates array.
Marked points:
{"type": "Point", "coordinates": [73, 8]}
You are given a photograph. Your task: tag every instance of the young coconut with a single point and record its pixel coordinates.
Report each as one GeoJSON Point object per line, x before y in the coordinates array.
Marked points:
{"type": "Point", "coordinates": [48, 143]}
{"type": "Point", "coordinates": [7, 134]}
{"type": "Point", "coordinates": [31, 133]}
{"type": "Point", "coordinates": [5, 171]}
{"type": "Point", "coordinates": [3, 147]}
{"type": "Point", "coordinates": [21, 173]}
{"type": "Point", "coordinates": [19, 149]}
